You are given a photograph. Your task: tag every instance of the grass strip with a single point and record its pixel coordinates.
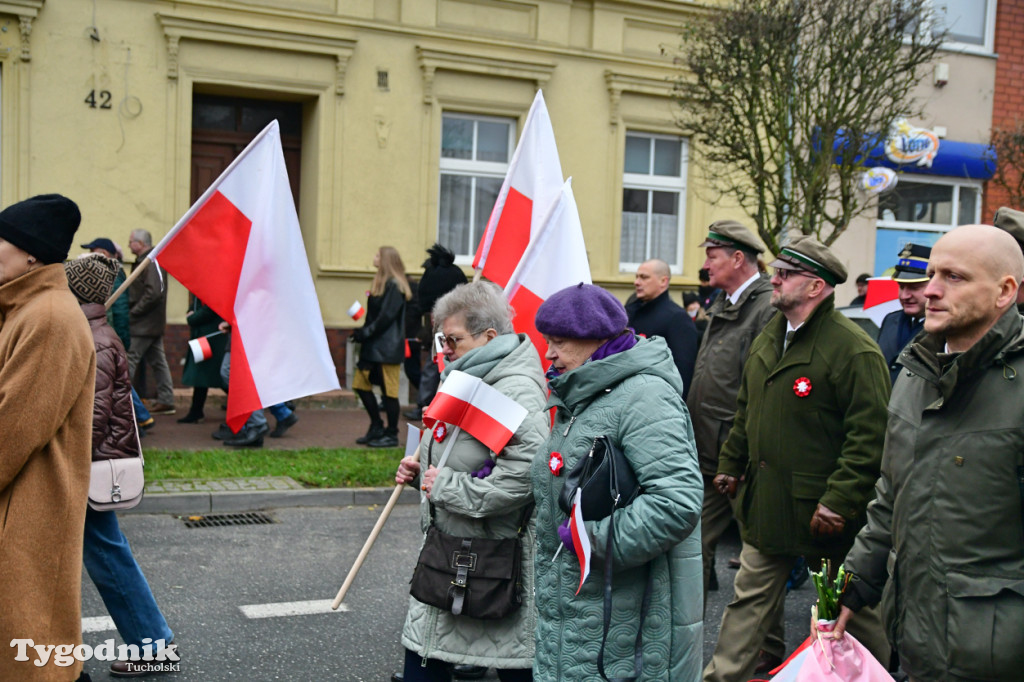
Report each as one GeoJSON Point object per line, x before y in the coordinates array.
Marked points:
{"type": "Point", "coordinates": [314, 467]}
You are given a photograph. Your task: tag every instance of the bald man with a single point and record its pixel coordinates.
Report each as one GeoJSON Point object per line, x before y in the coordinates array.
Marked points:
{"type": "Point", "coordinates": [943, 548]}
{"type": "Point", "coordinates": [653, 313]}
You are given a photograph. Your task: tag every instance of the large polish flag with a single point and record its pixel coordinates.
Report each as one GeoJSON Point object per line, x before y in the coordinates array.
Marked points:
{"type": "Point", "coordinates": [555, 259]}
{"type": "Point", "coordinates": [239, 249]}
{"type": "Point", "coordinates": [530, 188]}
{"type": "Point", "coordinates": [483, 412]}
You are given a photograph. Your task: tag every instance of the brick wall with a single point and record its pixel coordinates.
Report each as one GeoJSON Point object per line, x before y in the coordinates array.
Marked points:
{"type": "Point", "coordinates": [1008, 99]}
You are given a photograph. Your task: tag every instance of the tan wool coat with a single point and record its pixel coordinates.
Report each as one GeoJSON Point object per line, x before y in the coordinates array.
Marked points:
{"type": "Point", "coordinates": [47, 378]}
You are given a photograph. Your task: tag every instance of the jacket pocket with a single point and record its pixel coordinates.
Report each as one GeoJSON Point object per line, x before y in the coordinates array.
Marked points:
{"type": "Point", "coordinates": [890, 597]}
{"type": "Point", "coordinates": [984, 637]}
{"type": "Point", "coordinates": [808, 490]}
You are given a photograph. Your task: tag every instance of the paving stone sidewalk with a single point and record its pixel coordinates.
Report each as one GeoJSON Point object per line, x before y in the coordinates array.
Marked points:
{"type": "Point", "coordinates": [259, 483]}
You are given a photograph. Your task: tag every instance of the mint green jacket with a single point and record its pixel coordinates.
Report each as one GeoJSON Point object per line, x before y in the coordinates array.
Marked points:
{"type": "Point", "coordinates": [490, 507]}
{"type": "Point", "coordinates": [634, 397]}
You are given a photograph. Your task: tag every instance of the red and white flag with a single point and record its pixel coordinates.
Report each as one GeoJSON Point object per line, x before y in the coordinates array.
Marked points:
{"type": "Point", "coordinates": [483, 412]}
{"type": "Point", "coordinates": [530, 188]}
{"type": "Point", "coordinates": [201, 348]}
{"type": "Point", "coordinates": [239, 249]}
{"type": "Point", "coordinates": [883, 297]}
{"type": "Point", "coordinates": [580, 539]}
{"type": "Point", "coordinates": [555, 259]}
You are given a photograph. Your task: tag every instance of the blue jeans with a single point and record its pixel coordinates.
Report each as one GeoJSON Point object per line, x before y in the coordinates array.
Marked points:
{"type": "Point", "coordinates": [257, 418]}
{"type": "Point", "coordinates": [141, 413]}
{"type": "Point", "coordinates": [119, 580]}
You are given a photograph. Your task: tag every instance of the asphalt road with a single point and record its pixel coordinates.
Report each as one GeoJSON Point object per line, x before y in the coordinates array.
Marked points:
{"type": "Point", "coordinates": [202, 577]}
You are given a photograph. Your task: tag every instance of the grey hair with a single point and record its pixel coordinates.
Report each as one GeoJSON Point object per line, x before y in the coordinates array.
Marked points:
{"type": "Point", "coordinates": [143, 236]}
{"type": "Point", "coordinates": [482, 304]}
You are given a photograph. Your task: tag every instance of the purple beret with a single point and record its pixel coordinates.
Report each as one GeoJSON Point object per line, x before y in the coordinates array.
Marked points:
{"type": "Point", "coordinates": [582, 311]}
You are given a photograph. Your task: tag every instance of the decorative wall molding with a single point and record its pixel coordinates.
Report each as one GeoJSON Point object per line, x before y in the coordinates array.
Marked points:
{"type": "Point", "coordinates": [26, 11]}
{"type": "Point", "coordinates": [471, 62]}
{"type": "Point", "coordinates": [619, 83]}
{"type": "Point", "coordinates": [288, 39]}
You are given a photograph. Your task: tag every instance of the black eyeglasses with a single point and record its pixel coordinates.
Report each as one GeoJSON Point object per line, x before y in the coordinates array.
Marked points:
{"type": "Point", "coordinates": [785, 274]}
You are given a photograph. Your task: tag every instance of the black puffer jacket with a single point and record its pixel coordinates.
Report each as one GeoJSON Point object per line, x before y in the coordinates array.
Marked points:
{"type": "Point", "coordinates": [383, 335]}
{"type": "Point", "coordinates": [113, 419]}
{"type": "Point", "coordinates": [440, 275]}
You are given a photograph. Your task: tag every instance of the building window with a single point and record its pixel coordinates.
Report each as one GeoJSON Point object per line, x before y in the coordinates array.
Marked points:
{"type": "Point", "coordinates": [475, 152]}
{"type": "Point", "coordinates": [653, 199]}
{"type": "Point", "coordinates": [930, 205]}
{"type": "Point", "coordinates": [970, 24]}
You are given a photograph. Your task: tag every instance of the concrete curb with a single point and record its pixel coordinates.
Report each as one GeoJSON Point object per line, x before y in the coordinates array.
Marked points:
{"type": "Point", "coordinates": [238, 501]}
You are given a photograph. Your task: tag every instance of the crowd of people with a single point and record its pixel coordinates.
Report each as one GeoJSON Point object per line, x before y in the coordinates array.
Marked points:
{"type": "Point", "coordinates": [901, 458]}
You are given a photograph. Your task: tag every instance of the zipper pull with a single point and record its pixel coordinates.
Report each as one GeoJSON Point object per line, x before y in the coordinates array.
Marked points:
{"type": "Point", "coordinates": [568, 426]}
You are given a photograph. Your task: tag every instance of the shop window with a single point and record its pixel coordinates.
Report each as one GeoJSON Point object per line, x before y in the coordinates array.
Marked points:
{"type": "Point", "coordinates": [930, 205]}
{"type": "Point", "coordinates": [475, 153]}
{"type": "Point", "coordinates": [653, 199]}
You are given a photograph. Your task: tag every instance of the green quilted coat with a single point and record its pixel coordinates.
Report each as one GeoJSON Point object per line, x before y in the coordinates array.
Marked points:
{"type": "Point", "coordinates": [634, 397]}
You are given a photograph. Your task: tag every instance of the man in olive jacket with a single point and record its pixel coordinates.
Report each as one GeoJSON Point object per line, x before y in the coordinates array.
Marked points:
{"type": "Point", "coordinates": [804, 451]}
{"type": "Point", "coordinates": [738, 313]}
{"type": "Point", "coordinates": [943, 548]}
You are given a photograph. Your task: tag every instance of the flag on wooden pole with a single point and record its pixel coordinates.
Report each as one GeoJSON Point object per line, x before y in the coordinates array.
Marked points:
{"type": "Point", "coordinates": [239, 248]}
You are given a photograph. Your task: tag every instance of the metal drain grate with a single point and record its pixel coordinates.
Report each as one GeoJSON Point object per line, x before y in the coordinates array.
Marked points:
{"type": "Point", "coordinates": [213, 520]}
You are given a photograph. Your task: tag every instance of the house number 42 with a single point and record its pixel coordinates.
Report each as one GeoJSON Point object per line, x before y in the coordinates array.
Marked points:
{"type": "Point", "coordinates": [98, 99]}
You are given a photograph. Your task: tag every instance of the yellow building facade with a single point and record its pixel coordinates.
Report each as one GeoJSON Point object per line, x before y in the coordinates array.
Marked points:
{"type": "Point", "coordinates": [402, 116]}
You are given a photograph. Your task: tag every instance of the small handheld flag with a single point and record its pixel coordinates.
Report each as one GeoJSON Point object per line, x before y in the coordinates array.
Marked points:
{"type": "Point", "coordinates": [484, 412]}
{"type": "Point", "coordinates": [200, 347]}
{"type": "Point", "coordinates": [356, 310]}
{"type": "Point", "coordinates": [580, 539]}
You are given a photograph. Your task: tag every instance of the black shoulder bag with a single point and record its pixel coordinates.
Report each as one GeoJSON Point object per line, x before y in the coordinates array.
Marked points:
{"type": "Point", "coordinates": [607, 482]}
{"type": "Point", "coordinates": [475, 577]}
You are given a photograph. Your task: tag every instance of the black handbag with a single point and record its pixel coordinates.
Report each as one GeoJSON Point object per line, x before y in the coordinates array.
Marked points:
{"type": "Point", "coordinates": [475, 577]}
{"type": "Point", "coordinates": [605, 478]}
{"type": "Point", "coordinates": [607, 482]}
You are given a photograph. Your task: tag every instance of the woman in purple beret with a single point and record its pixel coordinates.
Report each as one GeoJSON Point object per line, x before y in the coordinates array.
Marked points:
{"type": "Point", "coordinates": [606, 381]}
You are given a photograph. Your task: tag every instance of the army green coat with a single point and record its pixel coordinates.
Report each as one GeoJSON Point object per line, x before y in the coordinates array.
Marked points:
{"type": "Point", "coordinates": [809, 429]}
{"type": "Point", "coordinates": [945, 533]}
{"type": "Point", "coordinates": [719, 371]}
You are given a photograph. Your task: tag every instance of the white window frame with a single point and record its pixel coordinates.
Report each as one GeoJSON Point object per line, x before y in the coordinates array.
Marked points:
{"type": "Point", "coordinates": [987, 48]}
{"type": "Point", "coordinates": [651, 182]}
{"type": "Point", "coordinates": [956, 184]}
{"type": "Point", "coordinates": [474, 169]}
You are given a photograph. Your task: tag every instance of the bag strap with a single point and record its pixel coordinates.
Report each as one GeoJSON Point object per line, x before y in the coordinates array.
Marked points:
{"type": "Point", "coordinates": [638, 654]}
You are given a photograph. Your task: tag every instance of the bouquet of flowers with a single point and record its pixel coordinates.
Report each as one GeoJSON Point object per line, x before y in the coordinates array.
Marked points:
{"type": "Point", "coordinates": [829, 590]}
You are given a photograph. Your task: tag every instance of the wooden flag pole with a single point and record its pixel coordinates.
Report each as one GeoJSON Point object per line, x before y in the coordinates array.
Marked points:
{"type": "Point", "coordinates": [124, 285]}
{"type": "Point", "coordinates": [367, 545]}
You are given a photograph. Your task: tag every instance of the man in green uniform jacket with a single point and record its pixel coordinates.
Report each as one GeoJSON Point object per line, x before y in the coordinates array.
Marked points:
{"type": "Point", "coordinates": [804, 452]}
{"type": "Point", "coordinates": [943, 548]}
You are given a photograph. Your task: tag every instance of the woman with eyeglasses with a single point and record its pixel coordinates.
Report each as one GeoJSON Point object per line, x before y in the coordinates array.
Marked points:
{"type": "Point", "coordinates": [382, 347]}
{"type": "Point", "coordinates": [478, 493]}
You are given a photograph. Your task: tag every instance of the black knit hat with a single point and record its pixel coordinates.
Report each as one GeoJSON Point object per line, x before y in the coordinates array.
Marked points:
{"type": "Point", "coordinates": [43, 226]}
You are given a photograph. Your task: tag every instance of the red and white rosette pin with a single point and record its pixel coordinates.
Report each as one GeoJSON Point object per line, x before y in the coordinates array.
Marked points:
{"type": "Point", "coordinates": [440, 431]}
{"type": "Point", "coordinates": [356, 310]}
{"type": "Point", "coordinates": [555, 463]}
{"type": "Point", "coordinates": [802, 387]}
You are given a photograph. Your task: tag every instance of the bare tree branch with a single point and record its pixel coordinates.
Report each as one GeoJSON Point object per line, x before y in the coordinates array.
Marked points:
{"type": "Point", "coordinates": [785, 99]}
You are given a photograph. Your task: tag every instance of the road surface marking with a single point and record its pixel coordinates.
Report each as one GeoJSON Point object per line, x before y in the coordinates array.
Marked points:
{"type": "Point", "coordinates": [289, 608]}
{"type": "Point", "coordinates": [98, 624]}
